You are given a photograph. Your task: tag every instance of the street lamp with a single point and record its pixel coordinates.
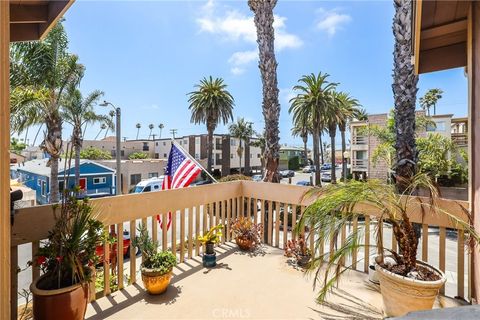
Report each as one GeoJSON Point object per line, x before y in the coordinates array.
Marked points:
{"type": "Point", "coordinates": [346, 155]}
{"type": "Point", "coordinates": [118, 182]}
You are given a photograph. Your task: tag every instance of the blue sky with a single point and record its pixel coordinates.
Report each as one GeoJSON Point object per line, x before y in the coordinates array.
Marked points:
{"type": "Point", "coordinates": [146, 56]}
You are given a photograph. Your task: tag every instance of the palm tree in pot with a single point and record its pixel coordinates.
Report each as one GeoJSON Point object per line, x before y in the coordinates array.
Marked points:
{"type": "Point", "coordinates": [337, 206]}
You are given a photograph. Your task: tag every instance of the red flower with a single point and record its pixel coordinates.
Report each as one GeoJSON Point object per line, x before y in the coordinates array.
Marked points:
{"type": "Point", "coordinates": [59, 259]}
{"type": "Point", "coordinates": [41, 260]}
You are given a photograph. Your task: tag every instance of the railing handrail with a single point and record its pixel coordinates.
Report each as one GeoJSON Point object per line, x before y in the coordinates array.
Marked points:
{"type": "Point", "coordinates": [33, 223]}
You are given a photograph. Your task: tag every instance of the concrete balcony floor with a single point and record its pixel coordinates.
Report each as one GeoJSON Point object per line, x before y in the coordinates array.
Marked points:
{"type": "Point", "coordinates": [259, 285]}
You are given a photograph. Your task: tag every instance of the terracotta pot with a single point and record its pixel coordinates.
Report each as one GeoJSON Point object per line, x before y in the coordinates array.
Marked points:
{"type": "Point", "coordinates": [155, 282]}
{"type": "Point", "coordinates": [65, 303]}
{"type": "Point", "coordinates": [245, 244]}
{"type": "Point", "coordinates": [402, 295]}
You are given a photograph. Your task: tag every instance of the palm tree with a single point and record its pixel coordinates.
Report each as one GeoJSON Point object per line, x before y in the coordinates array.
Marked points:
{"type": "Point", "coordinates": [314, 96]}
{"type": "Point", "coordinates": [211, 104]}
{"type": "Point", "coordinates": [404, 91]}
{"type": "Point", "coordinates": [150, 126]}
{"type": "Point", "coordinates": [160, 127]}
{"type": "Point", "coordinates": [361, 114]}
{"type": "Point", "coordinates": [263, 19]}
{"type": "Point", "coordinates": [109, 122]}
{"type": "Point", "coordinates": [78, 111]}
{"type": "Point", "coordinates": [302, 130]}
{"type": "Point", "coordinates": [103, 126]}
{"type": "Point", "coordinates": [350, 110]}
{"type": "Point", "coordinates": [430, 99]}
{"type": "Point", "coordinates": [332, 117]}
{"type": "Point", "coordinates": [138, 126]}
{"type": "Point", "coordinates": [41, 72]}
{"type": "Point", "coordinates": [242, 130]}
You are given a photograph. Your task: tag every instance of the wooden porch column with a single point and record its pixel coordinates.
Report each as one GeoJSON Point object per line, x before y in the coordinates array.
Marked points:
{"type": "Point", "coordinates": [474, 139]}
{"type": "Point", "coordinates": [4, 160]}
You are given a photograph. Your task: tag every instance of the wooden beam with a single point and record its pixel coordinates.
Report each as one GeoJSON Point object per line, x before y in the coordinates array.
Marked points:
{"type": "Point", "coordinates": [417, 35]}
{"type": "Point", "coordinates": [445, 29]}
{"type": "Point", "coordinates": [56, 9]}
{"type": "Point", "coordinates": [24, 32]}
{"type": "Point", "coordinates": [442, 58]}
{"type": "Point", "coordinates": [5, 266]}
{"type": "Point", "coordinates": [28, 13]}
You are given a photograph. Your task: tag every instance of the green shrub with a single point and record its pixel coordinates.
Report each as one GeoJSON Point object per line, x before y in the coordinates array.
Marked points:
{"type": "Point", "coordinates": [138, 155]}
{"type": "Point", "coordinates": [235, 177]}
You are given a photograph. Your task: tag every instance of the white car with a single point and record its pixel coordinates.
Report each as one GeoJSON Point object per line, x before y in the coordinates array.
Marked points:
{"type": "Point", "coordinates": [326, 176]}
{"type": "Point", "coordinates": [149, 185]}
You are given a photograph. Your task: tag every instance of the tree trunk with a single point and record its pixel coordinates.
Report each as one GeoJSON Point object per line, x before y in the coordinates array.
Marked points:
{"type": "Point", "coordinates": [404, 91]}
{"type": "Point", "coordinates": [316, 157]}
{"type": "Point", "coordinates": [77, 144]}
{"type": "Point", "coordinates": [210, 149]}
{"type": "Point", "coordinates": [321, 147]}
{"type": "Point", "coordinates": [53, 146]}
{"type": "Point", "coordinates": [26, 137]}
{"type": "Point", "coordinates": [138, 131]}
{"type": "Point", "coordinates": [240, 154]}
{"type": "Point", "coordinates": [305, 150]}
{"type": "Point", "coordinates": [332, 148]}
{"type": "Point", "coordinates": [344, 148]}
{"type": "Point", "coordinates": [263, 18]}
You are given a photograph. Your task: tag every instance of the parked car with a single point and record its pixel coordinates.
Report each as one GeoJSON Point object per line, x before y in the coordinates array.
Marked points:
{"type": "Point", "coordinates": [113, 250]}
{"type": "Point", "coordinates": [287, 173]}
{"type": "Point", "coordinates": [149, 185]}
{"type": "Point", "coordinates": [308, 169]}
{"type": "Point", "coordinates": [257, 178]}
{"type": "Point", "coordinates": [326, 166]}
{"type": "Point", "coordinates": [304, 183]}
{"type": "Point", "coordinates": [326, 176]}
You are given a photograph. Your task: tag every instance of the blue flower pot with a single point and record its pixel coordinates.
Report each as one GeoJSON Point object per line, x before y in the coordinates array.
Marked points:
{"type": "Point", "coordinates": [209, 260]}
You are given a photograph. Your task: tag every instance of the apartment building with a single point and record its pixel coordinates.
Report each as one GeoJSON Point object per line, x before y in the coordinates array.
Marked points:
{"type": "Point", "coordinates": [363, 145]}
{"type": "Point", "coordinates": [226, 158]}
{"type": "Point", "coordinates": [108, 144]}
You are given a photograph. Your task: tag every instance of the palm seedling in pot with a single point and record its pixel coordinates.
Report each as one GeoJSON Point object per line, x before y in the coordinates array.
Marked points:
{"type": "Point", "coordinates": [298, 249]}
{"type": "Point", "coordinates": [157, 265]}
{"type": "Point", "coordinates": [209, 239]}
{"type": "Point", "coordinates": [406, 284]}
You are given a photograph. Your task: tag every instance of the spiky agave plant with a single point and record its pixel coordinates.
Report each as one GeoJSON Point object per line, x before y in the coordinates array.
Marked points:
{"type": "Point", "coordinates": [336, 206]}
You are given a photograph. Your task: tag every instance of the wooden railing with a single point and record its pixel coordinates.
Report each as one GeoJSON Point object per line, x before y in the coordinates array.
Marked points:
{"type": "Point", "coordinates": [196, 209]}
{"type": "Point", "coordinates": [356, 139]}
{"type": "Point", "coordinates": [359, 164]}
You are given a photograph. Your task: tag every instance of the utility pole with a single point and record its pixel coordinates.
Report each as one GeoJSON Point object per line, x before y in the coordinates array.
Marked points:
{"type": "Point", "coordinates": [173, 132]}
{"type": "Point", "coordinates": [153, 136]}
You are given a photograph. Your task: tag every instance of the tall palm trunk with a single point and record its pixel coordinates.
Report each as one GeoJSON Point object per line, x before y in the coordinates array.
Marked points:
{"type": "Point", "coordinates": [26, 136]}
{"type": "Point", "coordinates": [53, 146]}
{"type": "Point", "coordinates": [240, 153]}
{"type": "Point", "coordinates": [404, 91]}
{"type": "Point", "coordinates": [305, 140]}
{"type": "Point", "coordinates": [98, 133]}
{"type": "Point", "coordinates": [138, 131]}
{"type": "Point", "coordinates": [321, 147]}
{"type": "Point", "coordinates": [332, 131]}
{"type": "Point", "coordinates": [316, 157]}
{"type": "Point", "coordinates": [210, 130]}
{"type": "Point", "coordinates": [342, 128]}
{"type": "Point", "coordinates": [263, 18]}
{"type": "Point", "coordinates": [77, 144]}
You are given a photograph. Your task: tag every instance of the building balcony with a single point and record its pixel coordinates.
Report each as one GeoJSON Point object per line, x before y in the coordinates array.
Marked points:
{"type": "Point", "coordinates": [460, 139]}
{"type": "Point", "coordinates": [359, 140]}
{"type": "Point", "coordinates": [360, 165]}
{"type": "Point", "coordinates": [259, 284]}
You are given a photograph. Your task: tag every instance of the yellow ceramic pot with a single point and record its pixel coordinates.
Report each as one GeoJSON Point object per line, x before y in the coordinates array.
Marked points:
{"type": "Point", "coordinates": [155, 282]}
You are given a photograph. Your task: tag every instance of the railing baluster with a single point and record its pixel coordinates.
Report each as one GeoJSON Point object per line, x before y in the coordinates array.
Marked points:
{"type": "Point", "coordinates": [144, 224]}
{"type": "Point", "coordinates": [165, 230]}
{"type": "Point", "coordinates": [343, 235]}
{"type": "Point", "coordinates": [182, 235]}
{"type": "Point", "coordinates": [425, 242]}
{"type": "Point", "coordinates": [106, 264]}
{"type": "Point", "coordinates": [277, 224]}
{"type": "Point", "coordinates": [226, 235]}
{"type": "Point", "coordinates": [35, 267]}
{"type": "Point", "coordinates": [174, 232]}
{"type": "Point", "coordinates": [380, 234]}
{"type": "Point", "coordinates": [460, 264]}
{"type": "Point", "coordinates": [366, 260]}
{"type": "Point", "coordinates": [441, 256]}
{"type": "Point", "coordinates": [212, 210]}
{"type": "Point", "coordinates": [133, 257]}
{"type": "Point", "coordinates": [294, 221]}
{"type": "Point", "coordinates": [270, 222]}
{"type": "Point", "coordinates": [154, 228]}
{"type": "Point", "coordinates": [354, 253]}
{"type": "Point", "coordinates": [190, 231]}
{"type": "Point", "coordinates": [120, 255]}
{"type": "Point", "coordinates": [302, 208]}
{"type": "Point", "coordinates": [249, 204]}
{"type": "Point", "coordinates": [286, 206]}
{"type": "Point", "coordinates": [13, 282]}
{"type": "Point", "coordinates": [262, 217]}
{"type": "Point", "coordinates": [197, 230]}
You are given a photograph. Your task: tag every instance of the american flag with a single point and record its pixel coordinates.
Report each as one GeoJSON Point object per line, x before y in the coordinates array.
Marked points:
{"type": "Point", "coordinates": [180, 172]}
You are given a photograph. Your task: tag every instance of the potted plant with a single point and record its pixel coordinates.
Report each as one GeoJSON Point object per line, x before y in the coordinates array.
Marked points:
{"type": "Point", "coordinates": [209, 239]}
{"type": "Point", "coordinates": [299, 250]}
{"type": "Point", "coordinates": [247, 233]}
{"type": "Point", "coordinates": [156, 266]}
{"type": "Point", "coordinates": [406, 283]}
{"type": "Point", "coordinates": [67, 261]}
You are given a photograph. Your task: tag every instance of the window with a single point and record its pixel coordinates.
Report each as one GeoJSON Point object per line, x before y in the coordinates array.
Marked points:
{"type": "Point", "coordinates": [232, 142]}
{"type": "Point", "coordinates": [180, 142]}
{"type": "Point", "coordinates": [145, 146]}
{"type": "Point", "coordinates": [185, 141]}
{"type": "Point", "coordinates": [197, 156]}
{"type": "Point", "coordinates": [156, 144]}
{"type": "Point", "coordinates": [43, 188]}
{"type": "Point", "coordinates": [156, 187]}
{"type": "Point", "coordinates": [61, 185]}
{"type": "Point", "coordinates": [99, 180]}
{"type": "Point", "coordinates": [231, 155]}
{"type": "Point", "coordinates": [361, 155]}
{"type": "Point", "coordinates": [122, 153]}
{"type": "Point", "coordinates": [258, 155]}
{"type": "Point", "coordinates": [197, 140]}
{"type": "Point", "coordinates": [135, 178]}
{"type": "Point", "coordinates": [157, 155]}
{"type": "Point", "coordinates": [164, 143]}
{"type": "Point", "coordinates": [153, 175]}
{"type": "Point", "coordinates": [164, 155]}
{"type": "Point", "coordinates": [439, 126]}
{"type": "Point", "coordinates": [147, 189]}
{"type": "Point", "coordinates": [113, 153]}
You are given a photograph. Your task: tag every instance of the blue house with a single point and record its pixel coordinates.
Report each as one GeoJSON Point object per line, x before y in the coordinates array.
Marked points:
{"type": "Point", "coordinates": [95, 179]}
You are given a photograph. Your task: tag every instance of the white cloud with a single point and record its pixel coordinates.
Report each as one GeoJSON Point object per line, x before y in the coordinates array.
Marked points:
{"type": "Point", "coordinates": [232, 25]}
{"type": "Point", "coordinates": [330, 21]}
{"type": "Point", "coordinates": [237, 71]}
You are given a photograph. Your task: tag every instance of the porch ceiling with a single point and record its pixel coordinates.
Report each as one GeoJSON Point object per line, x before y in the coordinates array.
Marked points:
{"type": "Point", "coordinates": [440, 34]}
{"type": "Point", "coordinates": [32, 19]}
